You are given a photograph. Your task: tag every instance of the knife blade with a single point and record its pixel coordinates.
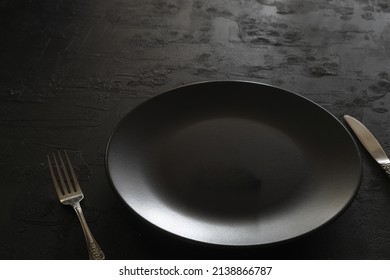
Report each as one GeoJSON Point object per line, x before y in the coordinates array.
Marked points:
{"type": "Point", "coordinates": [369, 142]}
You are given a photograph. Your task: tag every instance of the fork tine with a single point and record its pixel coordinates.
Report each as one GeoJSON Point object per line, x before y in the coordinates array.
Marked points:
{"type": "Point", "coordinates": [74, 177]}
{"type": "Point", "coordinates": [59, 191]}
{"type": "Point", "coordinates": [68, 181]}
{"type": "Point", "coordinates": [64, 187]}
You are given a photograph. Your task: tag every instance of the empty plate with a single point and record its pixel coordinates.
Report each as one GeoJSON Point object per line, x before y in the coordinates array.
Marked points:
{"type": "Point", "coordinates": [233, 163]}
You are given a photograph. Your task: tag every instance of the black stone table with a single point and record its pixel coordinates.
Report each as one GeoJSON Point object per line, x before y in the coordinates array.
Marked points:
{"type": "Point", "coordinates": [70, 70]}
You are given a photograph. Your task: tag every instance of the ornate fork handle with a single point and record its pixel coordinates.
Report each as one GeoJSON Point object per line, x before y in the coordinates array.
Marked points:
{"type": "Point", "coordinates": [94, 251]}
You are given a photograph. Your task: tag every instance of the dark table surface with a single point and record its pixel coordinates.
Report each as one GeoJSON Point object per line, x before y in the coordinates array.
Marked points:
{"type": "Point", "coordinates": [70, 70]}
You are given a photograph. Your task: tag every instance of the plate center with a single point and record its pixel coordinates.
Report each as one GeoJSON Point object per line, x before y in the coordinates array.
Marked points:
{"type": "Point", "coordinates": [228, 168]}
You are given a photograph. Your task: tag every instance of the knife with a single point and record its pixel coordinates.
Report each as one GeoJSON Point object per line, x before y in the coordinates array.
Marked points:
{"type": "Point", "coordinates": [369, 142]}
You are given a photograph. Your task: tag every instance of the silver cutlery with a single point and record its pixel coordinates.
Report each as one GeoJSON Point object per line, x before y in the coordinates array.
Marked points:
{"type": "Point", "coordinates": [69, 193]}
{"type": "Point", "coordinates": [369, 142]}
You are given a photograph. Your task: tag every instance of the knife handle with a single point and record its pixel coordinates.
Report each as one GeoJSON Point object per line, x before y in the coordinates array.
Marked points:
{"type": "Point", "coordinates": [386, 167]}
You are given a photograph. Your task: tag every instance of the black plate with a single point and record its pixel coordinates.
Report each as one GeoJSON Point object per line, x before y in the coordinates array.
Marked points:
{"type": "Point", "coordinates": [233, 163]}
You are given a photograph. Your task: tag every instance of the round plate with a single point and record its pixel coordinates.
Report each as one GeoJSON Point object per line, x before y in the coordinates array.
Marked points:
{"type": "Point", "coordinates": [233, 163]}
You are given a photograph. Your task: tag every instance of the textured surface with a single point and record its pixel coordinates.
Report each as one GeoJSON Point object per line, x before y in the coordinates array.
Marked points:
{"type": "Point", "coordinates": [71, 69]}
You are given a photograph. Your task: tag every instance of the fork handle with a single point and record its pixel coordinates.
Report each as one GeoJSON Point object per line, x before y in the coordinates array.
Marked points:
{"type": "Point", "coordinates": [94, 251]}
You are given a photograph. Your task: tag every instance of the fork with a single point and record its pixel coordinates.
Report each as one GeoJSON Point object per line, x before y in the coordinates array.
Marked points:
{"type": "Point", "coordinates": [69, 193]}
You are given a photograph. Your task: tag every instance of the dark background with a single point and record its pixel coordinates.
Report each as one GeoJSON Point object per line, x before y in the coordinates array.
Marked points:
{"type": "Point", "coordinates": [70, 70]}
